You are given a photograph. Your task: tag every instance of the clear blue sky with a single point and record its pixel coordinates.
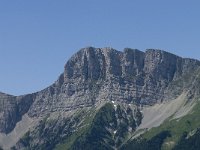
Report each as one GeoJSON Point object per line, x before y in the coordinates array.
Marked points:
{"type": "Point", "coordinates": [37, 37]}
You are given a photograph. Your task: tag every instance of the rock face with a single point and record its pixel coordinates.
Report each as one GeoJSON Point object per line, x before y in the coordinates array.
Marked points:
{"type": "Point", "coordinates": [101, 74]}
{"type": "Point", "coordinates": [96, 75]}
{"type": "Point", "coordinates": [129, 76]}
{"type": "Point", "coordinates": [12, 109]}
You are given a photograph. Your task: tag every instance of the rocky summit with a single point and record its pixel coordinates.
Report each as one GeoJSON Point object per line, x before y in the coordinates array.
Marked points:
{"type": "Point", "coordinates": [108, 99]}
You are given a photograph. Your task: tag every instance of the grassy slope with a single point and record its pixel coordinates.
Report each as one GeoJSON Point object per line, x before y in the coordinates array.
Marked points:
{"type": "Point", "coordinates": [105, 128]}
{"type": "Point", "coordinates": [67, 143]}
{"type": "Point", "coordinates": [177, 127]}
{"type": "Point", "coordinates": [189, 142]}
{"type": "Point", "coordinates": [92, 123]}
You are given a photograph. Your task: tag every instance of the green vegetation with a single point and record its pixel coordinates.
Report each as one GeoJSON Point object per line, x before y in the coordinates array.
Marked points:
{"type": "Point", "coordinates": [109, 128]}
{"type": "Point", "coordinates": [83, 129]}
{"type": "Point", "coordinates": [26, 139]}
{"type": "Point", "coordinates": [92, 132]}
{"type": "Point", "coordinates": [105, 129]}
{"type": "Point", "coordinates": [189, 143]}
{"type": "Point", "coordinates": [97, 132]}
{"type": "Point", "coordinates": [52, 131]}
{"type": "Point", "coordinates": [173, 134]}
{"type": "Point", "coordinates": [155, 143]}
{"type": "Point", "coordinates": [177, 128]}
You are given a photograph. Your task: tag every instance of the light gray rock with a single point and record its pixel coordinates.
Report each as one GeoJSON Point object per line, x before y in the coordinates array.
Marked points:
{"type": "Point", "coordinates": [94, 75]}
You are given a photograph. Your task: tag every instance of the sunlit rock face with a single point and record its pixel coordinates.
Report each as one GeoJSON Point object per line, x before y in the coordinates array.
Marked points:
{"type": "Point", "coordinates": [94, 75]}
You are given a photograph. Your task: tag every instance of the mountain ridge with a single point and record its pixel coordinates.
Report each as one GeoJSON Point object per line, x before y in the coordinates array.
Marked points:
{"type": "Point", "coordinates": [107, 48]}
{"type": "Point", "coordinates": [94, 76]}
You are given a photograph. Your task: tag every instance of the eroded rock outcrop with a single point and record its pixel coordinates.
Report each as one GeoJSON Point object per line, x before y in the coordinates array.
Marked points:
{"type": "Point", "coordinates": [96, 75]}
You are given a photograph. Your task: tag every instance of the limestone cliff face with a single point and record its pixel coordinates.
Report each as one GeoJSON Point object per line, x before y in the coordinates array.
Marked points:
{"type": "Point", "coordinates": [12, 109]}
{"type": "Point", "coordinates": [93, 75]}
{"type": "Point", "coordinates": [129, 76]}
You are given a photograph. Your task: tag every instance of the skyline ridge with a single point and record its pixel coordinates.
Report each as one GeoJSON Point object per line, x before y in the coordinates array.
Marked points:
{"type": "Point", "coordinates": [95, 48]}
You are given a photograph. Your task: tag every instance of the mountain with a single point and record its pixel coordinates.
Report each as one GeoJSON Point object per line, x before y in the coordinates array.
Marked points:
{"type": "Point", "coordinates": [108, 99]}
